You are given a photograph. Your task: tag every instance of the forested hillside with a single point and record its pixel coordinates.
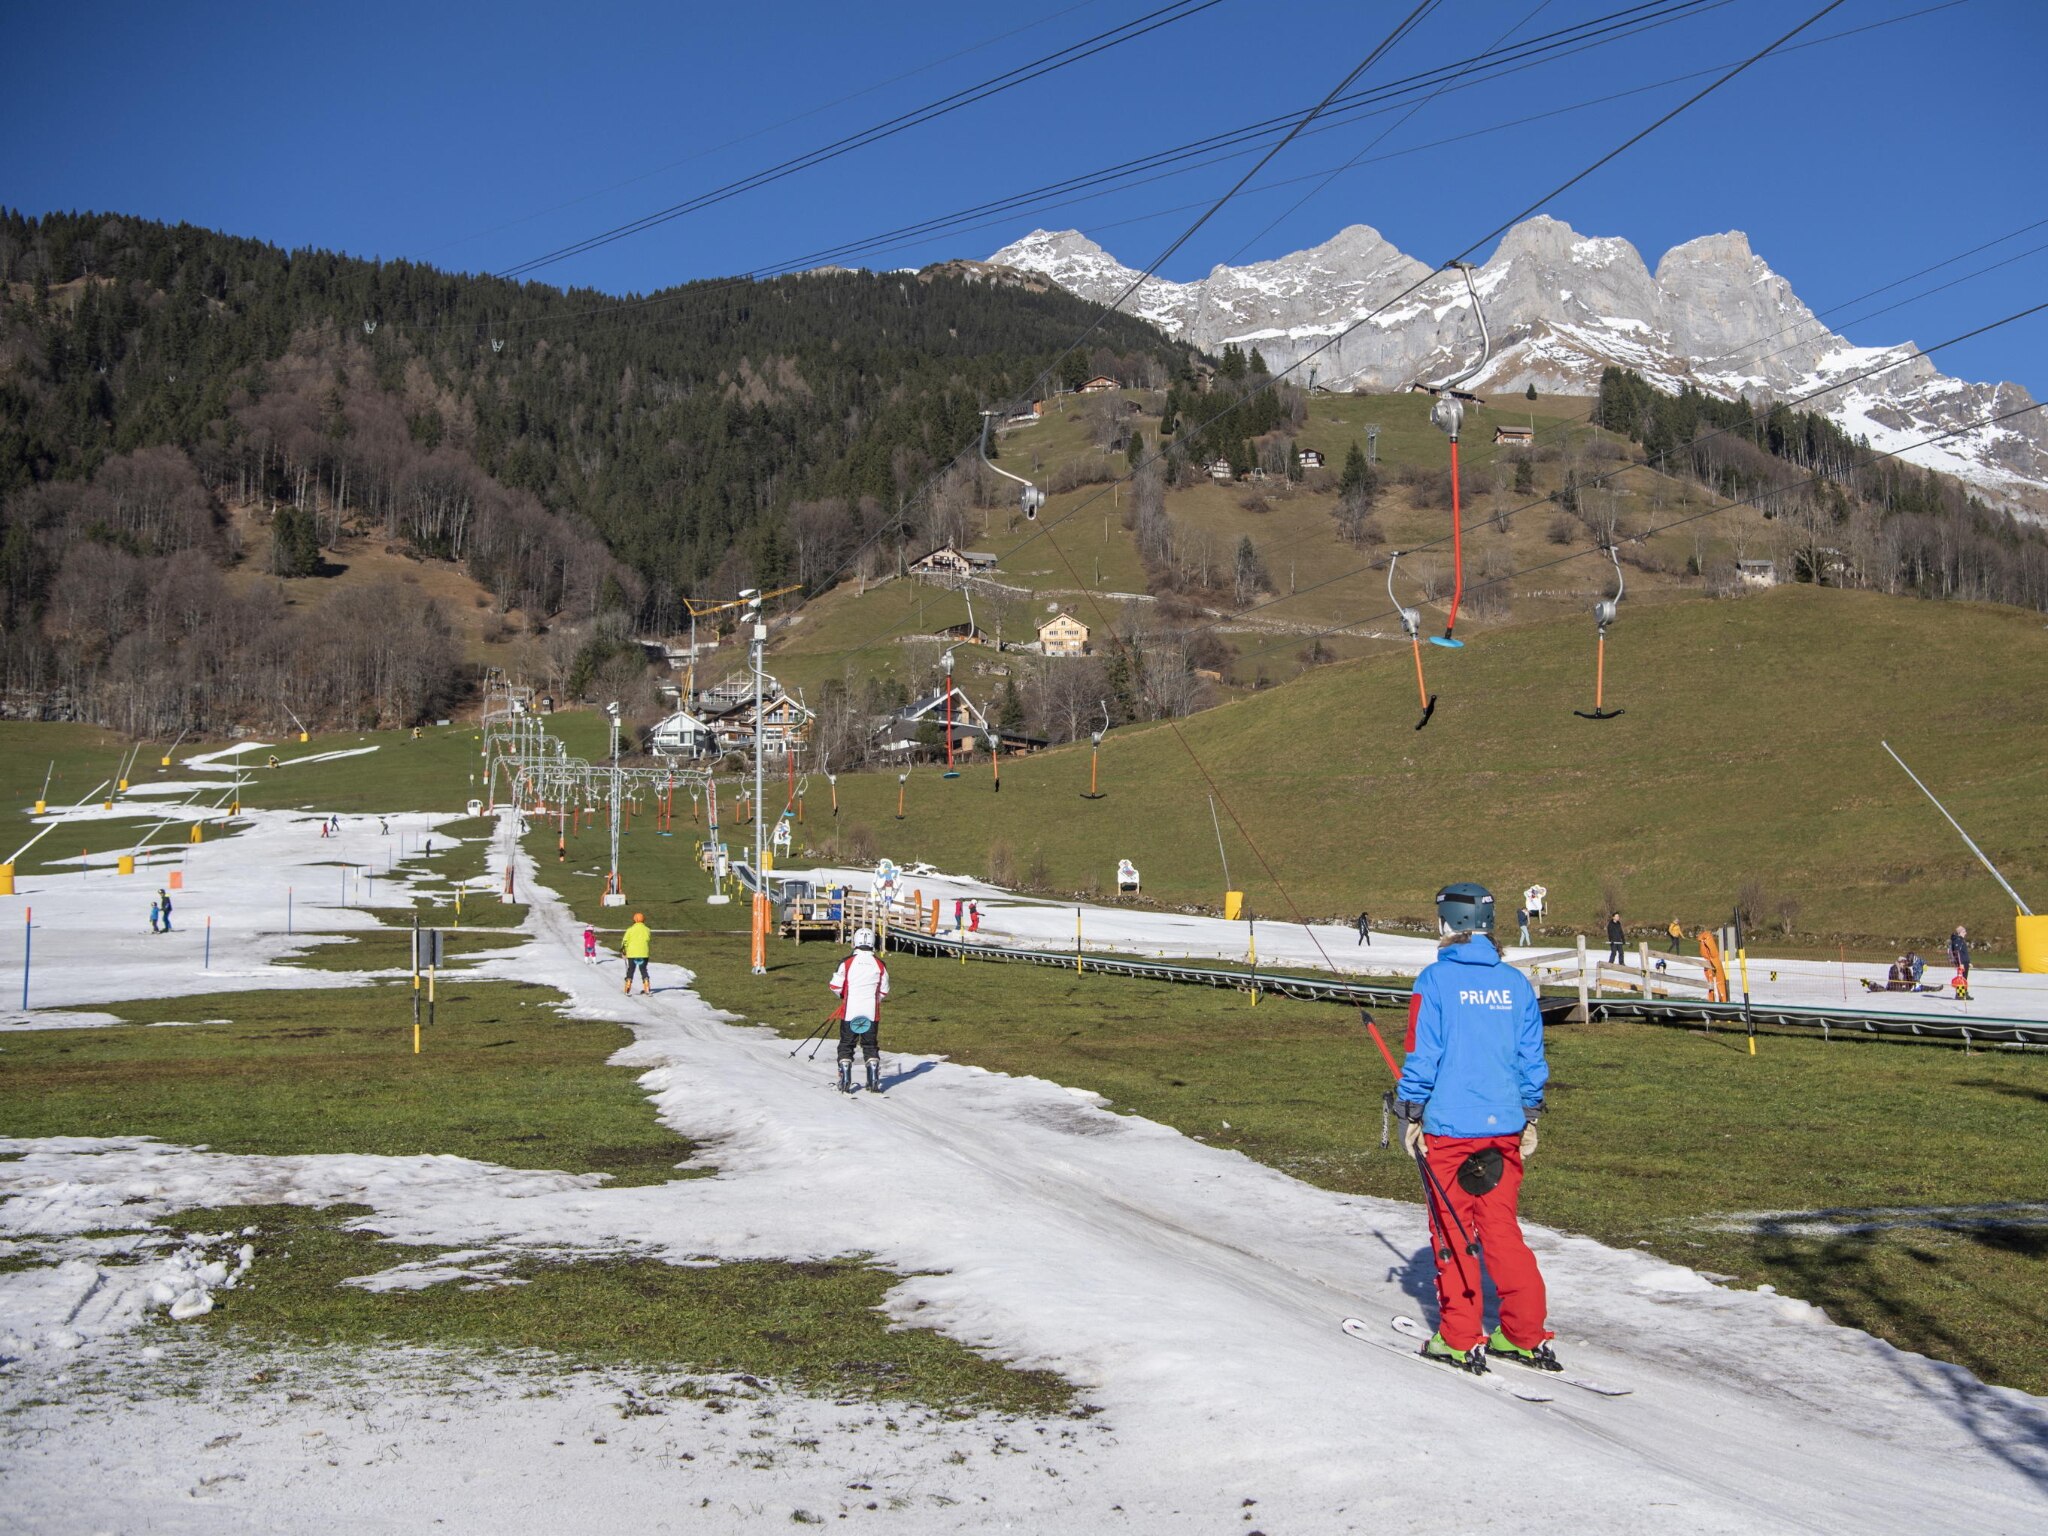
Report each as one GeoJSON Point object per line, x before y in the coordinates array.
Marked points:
{"type": "Point", "coordinates": [582, 457]}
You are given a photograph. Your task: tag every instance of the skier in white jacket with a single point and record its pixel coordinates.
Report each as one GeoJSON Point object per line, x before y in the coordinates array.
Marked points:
{"type": "Point", "coordinates": [861, 982]}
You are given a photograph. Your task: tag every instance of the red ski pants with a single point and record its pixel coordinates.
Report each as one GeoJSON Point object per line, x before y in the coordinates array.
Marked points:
{"type": "Point", "coordinates": [1491, 1219]}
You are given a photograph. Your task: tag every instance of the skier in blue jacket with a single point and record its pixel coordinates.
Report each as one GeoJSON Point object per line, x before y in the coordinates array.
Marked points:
{"type": "Point", "coordinates": [1470, 1092]}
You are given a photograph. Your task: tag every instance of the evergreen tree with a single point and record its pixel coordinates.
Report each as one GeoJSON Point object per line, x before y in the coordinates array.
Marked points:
{"type": "Point", "coordinates": [1258, 365]}
{"type": "Point", "coordinates": [294, 543]}
{"type": "Point", "coordinates": [1010, 713]}
{"type": "Point", "coordinates": [1232, 367]}
{"type": "Point", "coordinates": [1525, 476]}
{"type": "Point", "coordinates": [1531, 392]}
{"type": "Point", "coordinates": [1360, 479]}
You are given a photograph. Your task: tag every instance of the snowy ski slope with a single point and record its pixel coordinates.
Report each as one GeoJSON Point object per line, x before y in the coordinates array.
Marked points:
{"type": "Point", "coordinates": [1192, 1294]}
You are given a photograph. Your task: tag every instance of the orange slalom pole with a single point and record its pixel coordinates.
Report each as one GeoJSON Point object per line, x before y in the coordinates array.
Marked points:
{"type": "Point", "coordinates": [1421, 688]}
{"type": "Point", "coordinates": [1600, 673]}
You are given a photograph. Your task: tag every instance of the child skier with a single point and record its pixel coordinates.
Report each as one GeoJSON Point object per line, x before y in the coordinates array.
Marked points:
{"type": "Point", "coordinates": [154, 925]}
{"type": "Point", "coordinates": [589, 945]}
{"type": "Point", "coordinates": [1470, 1093]}
{"type": "Point", "coordinates": [861, 982]}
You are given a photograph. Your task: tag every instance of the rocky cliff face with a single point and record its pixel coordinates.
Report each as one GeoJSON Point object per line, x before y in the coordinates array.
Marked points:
{"type": "Point", "coordinates": [1562, 307]}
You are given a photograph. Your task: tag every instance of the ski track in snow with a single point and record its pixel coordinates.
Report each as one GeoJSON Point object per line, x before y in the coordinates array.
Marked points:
{"type": "Point", "coordinates": [1192, 1294]}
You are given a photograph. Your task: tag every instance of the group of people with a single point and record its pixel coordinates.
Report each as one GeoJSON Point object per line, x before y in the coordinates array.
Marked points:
{"type": "Point", "coordinates": [1906, 971]}
{"type": "Point", "coordinates": [160, 912]}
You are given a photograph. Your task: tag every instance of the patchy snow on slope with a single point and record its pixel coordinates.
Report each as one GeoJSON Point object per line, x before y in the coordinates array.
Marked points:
{"type": "Point", "coordinates": [1191, 1294]}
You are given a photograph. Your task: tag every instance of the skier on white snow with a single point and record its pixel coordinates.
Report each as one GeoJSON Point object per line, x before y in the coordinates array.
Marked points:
{"type": "Point", "coordinates": [860, 982]}
{"type": "Point", "coordinates": [1470, 1092]}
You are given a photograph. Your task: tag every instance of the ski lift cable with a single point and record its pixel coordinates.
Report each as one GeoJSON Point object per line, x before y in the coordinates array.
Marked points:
{"type": "Point", "coordinates": [755, 133]}
{"type": "Point", "coordinates": [1375, 141]}
{"type": "Point", "coordinates": [1605, 159]}
{"type": "Point", "coordinates": [1567, 425]}
{"type": "Point", "coordinates": [1666, 117]}
{"type": "Point", "coordinates": [1414, 287]}
{"type": "Point", "coordinates": [995, 85]}
{"type": "Point", "coordinates": [1032, 498]}
{"type": "Point", "coordinates": [1386, 45]}
{"type": "Point", "coordinates": [1550, 47]}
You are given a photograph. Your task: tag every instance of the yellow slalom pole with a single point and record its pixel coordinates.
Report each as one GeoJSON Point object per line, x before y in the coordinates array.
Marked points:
{"type": "Point", "coordinates": [1077, 941]}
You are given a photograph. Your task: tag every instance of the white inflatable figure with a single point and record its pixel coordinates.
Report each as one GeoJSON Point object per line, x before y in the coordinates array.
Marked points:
{"type": "Point", "coordinates": [1126, 875]}
{"type": "Point", "coordinates": [1533, 898]}
{"type": "Point", "coordinates": [886, 877]}
{"type": "Point", "coordinates": [781, 836]}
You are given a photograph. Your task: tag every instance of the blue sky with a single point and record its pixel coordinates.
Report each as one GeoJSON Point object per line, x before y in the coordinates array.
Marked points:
{"type": "Point", "coordinates": [479, 136]}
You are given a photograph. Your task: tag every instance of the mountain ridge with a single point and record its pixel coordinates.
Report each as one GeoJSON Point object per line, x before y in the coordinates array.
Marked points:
{"type": "Point", "coordinates": [1562, 307]}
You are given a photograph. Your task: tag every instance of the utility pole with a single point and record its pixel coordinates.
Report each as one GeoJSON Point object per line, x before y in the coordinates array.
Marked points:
{"type": "Point", "coordinates": [615, 895]}
{"type": "Point", "coordinates": [760, 640]}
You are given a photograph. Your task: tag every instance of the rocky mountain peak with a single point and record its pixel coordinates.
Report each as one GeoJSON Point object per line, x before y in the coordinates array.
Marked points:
{"type": "Point", "coordinates": [1562, 306]}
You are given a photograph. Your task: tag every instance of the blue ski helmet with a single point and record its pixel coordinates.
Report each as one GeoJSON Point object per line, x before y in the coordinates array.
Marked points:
{"type": "Point", "coordinates": [1465, 908]}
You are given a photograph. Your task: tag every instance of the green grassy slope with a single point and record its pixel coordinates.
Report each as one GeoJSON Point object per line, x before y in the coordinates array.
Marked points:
{"type": "Point", "coordinates": [1748, 751]}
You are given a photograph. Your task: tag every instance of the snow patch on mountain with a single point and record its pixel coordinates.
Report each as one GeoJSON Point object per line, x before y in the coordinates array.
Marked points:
{"type": "Point", "coordinates": [1355, 312]}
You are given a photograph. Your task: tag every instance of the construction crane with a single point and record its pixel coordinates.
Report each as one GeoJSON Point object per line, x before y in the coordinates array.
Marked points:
{"type": "Point", "coordinates": [702, 609]}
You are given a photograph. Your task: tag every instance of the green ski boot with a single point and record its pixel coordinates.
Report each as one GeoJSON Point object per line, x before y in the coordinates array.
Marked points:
{"type": "Point", "coordinates": [1538, 1359]}
{"type": "Point", "coordinates": [1473, 1359]}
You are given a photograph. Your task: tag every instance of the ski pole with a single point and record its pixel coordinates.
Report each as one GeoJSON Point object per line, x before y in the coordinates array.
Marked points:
{"type": "Point", "coordinates": [807, 1039]}
{"type": "Point", "coordinates": [1429, 1180]}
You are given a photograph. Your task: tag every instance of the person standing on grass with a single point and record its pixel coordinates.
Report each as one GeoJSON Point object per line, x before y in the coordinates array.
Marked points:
{"type": "Point", "coordinates": [163, 900]}
{"type": "Point", "coordinates": [1522, 924]}
{"type": "Point", "coordinates": [861, 982]}
{"type": "Point", "coordinates": [1364, 926]}
{"type": "Point", "coordinates": [1677, 932]}
{"type": "Point", "coordinates": [1470, 1092]}
{"type": "Point", "coordinates": [636, 942]}
{"type": "Point", "coordinates": [1616, 938]}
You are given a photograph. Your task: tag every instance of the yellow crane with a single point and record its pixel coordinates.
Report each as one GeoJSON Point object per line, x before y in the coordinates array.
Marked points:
{"type": "Point", "coordinates": [701, 608]}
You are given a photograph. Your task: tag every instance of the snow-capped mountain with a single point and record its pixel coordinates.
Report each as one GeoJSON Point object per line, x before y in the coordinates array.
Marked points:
{"type": "Point", "coordinates": [1561, 308]}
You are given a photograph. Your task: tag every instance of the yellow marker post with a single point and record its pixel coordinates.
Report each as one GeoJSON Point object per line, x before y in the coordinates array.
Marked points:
{"type": "Point", "coordinates": [1252, 934]}
{"type": "Point", "coordinates": [1077, 941]}
{"type": "Point", "coordinates": [1742, 962]}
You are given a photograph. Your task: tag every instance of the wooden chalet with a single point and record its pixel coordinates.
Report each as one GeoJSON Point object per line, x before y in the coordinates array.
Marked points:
{"type": "Point", "coordinates": [1063, 635]}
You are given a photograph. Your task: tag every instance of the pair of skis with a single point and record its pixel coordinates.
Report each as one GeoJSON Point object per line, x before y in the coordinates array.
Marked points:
{"type": "Point", "coordinates": [1524, 1382]}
